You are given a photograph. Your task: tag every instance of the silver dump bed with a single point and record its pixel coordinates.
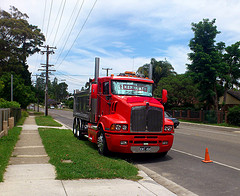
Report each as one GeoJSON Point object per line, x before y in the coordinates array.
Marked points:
{"type": "Point", "coordinates": [81, 105]}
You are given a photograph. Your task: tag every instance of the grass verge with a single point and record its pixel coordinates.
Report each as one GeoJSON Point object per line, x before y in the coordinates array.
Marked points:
{"type": "Point", "coordinates": [7, 144]}
{"type": "Point", "coordinates": [85, 162]}
{"type": "Point", "coordinates": [38, 113]}
{"type": "Point", "coordinates": [46, 121]}
{"type": "Point", "coordinates": [220, 125]}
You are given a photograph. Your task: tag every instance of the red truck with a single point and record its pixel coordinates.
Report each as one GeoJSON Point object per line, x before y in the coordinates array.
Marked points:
{"type": "Point", "coordinates": [119, 114]}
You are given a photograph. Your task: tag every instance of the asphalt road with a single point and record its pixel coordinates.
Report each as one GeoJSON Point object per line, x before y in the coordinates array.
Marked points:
{"type": "Point", "coordinates": [183, 164]}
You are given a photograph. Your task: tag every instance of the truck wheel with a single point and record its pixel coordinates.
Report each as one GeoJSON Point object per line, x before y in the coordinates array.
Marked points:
{"type": "Point", "coordinates": [162, 154]}
{"type": "Point", "coordinates": [79, 130]}
{"type": "Point", "coordinates": [102, 144]}
{"type": "Point", "coordinates": [75, 127]}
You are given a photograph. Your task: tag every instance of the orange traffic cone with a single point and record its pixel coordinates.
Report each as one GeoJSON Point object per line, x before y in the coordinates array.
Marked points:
{"type": "Point", "coordinates": [207, 157]}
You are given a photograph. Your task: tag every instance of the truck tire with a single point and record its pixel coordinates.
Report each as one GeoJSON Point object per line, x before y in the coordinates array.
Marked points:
{"type": "Point", "coordinates": [79, 129]}
{"type": "Point", "coordinates": [102, 144]}
{"type": "Point", "coordinates": [75, 127]}
{"type": "Point", "coordinates": [162, 154]}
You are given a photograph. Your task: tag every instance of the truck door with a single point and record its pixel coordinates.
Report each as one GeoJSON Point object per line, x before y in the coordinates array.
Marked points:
{"type": "Point", "coordinates": [105, 99]}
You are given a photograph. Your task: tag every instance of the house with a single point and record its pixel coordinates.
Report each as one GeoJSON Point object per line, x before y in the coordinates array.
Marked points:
{"type": "Point", "coordinates": [232, 98]}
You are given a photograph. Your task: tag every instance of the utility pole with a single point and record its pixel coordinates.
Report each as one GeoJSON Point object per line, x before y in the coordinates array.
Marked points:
{"type": "Point", "coordinates": [11, 87]}
{"type": "Point", "coordinates": [37, 93]}
{"type": "Point", "coordinates": [107, 69]}
{"type": "Point", "coordinates": [48, 51]}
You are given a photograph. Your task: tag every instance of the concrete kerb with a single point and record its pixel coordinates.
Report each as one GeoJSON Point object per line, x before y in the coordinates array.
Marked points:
{"type": "Point", "coordinates": [168, 184]}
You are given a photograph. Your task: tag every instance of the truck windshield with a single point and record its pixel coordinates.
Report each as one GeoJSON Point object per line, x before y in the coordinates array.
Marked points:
{"type": "Point", "coordinates": [131, 88]}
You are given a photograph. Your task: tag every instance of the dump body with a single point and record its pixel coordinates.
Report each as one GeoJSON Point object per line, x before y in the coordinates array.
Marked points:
{"type": "Point", "coordinates": [81, 105]}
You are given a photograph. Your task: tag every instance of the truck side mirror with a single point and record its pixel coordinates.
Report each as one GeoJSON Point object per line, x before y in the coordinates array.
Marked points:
{"type": "Point", "coordinates": [94, 91]}
{"type": "Point", "coordinates": [164, 96]}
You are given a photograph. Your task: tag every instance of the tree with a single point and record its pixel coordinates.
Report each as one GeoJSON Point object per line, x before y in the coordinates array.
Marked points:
{"type": "Point", "coordinates": [21, 93]}
{"type": "Point", "coordinates": [53, 89]}
{"type": "Point", "coordinates": [40, 89]}
{"type": "Point", "coordinates": [62, 91]}
{"type": "Point", "coordinates": [206, 60]}
{"type": "Point", "coordinates": [160, 69]}
{"type": "Point", "coordinates": [182, 91]}
{"type": "Point", "coordinates": [231, 72]}
{"type": "Point", "coordinates": [18, 40]}
{"type": "Point", "coordinates": [57, 91]}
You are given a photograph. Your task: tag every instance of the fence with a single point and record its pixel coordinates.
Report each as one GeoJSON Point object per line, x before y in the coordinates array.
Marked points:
{"type": "Point", "coordinates": [16, 113]}
{"type": "Point", "coordinates": [8, 118]}
{"type": "Point", "coordinates": [206, 116]}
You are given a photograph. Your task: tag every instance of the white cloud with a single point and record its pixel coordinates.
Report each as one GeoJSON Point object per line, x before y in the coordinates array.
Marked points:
{"type": "Point", "coordinates": [177, 55]}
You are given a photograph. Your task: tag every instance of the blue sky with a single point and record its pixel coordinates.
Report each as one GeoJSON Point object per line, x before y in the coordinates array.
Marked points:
{"type": "Point", "coordinates": [125, 34]}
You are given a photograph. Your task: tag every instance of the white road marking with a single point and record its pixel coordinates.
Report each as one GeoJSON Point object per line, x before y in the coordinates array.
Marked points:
{"type": "Point", "coordinates": [229, 166]}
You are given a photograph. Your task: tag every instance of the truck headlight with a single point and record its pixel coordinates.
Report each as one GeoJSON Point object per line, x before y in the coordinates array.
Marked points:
{"type": "Point", "coordinates": [124, 127]}
{"type": "Point", "coordinates": [168, 128]}
{"type": "Point", "coordinates": [118, 127]}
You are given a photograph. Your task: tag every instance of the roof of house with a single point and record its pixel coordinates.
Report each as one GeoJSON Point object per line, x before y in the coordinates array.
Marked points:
{"type": "Point", "coordinates": [235, 94]}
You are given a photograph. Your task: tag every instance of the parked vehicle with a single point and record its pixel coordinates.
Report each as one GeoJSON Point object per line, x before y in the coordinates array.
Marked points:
{"type": "Point", "coordinates": [175, 121]}
{"type": "Point", "coordinates": [119, 114]}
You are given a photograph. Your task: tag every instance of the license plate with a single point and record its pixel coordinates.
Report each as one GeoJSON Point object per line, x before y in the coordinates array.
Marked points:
{"type": "Point", "coordinates": [145, 148]}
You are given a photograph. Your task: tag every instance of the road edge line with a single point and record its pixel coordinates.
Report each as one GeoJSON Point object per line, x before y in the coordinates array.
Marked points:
{"type": "Point", "coordinates": [222, 164]}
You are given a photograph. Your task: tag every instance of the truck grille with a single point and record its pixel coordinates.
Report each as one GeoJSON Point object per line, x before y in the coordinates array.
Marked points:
{"type": "Point", "coordinates": [146, 119]}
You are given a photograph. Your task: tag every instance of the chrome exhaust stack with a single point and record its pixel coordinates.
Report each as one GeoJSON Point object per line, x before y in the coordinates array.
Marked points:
{"type": "Point", "coordinates": [150, 70]}
{"type": "Point", "coordinates": [96, 76]}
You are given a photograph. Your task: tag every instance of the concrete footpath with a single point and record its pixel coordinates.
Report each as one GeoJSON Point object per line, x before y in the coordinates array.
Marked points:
{"type": "Point", "coordinates": [29, 173]}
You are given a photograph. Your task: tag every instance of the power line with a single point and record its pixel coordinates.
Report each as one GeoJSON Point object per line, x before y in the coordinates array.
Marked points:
{"type": "Point", "coordinates": [71, 77]}
{"type": "Point", "coordinates": [70, 31]}
{"type": "Point", "coordinates": [49, 17]}
{"type": "Point", "coordinates": [54, 24]}
{"type": "Point", "coordinates": [59, 22]}
{"type": "Point", "coordinates": [69, 21]}
{"type": "Point", "coordinates": [44, 14]}
{"type": "Point", "coordinates": [79, 32]}
{"type": "Point", "coordinates": [45, 5]}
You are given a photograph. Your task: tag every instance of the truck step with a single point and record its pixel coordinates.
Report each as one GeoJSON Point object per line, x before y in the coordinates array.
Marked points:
{"type": "Point", "coordinates": [88, 137]}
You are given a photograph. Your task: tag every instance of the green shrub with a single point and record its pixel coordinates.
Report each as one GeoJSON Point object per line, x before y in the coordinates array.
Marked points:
{"type": "Point", "coordinates": [234, 115]}
{"type": "Point", "coordinates": [8, 104]}
{"type": "Point", "coordinates": [69, 103]}
{"type": "Point", "coordinates": [24, 115]}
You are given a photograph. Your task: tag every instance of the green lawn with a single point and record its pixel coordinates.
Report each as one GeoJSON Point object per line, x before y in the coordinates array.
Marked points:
{"type": "Point", "coordinates": [61, 145]}
{"type": "Point", "coordinates": [7, 144]}
{"type": "Point", "coordinates": [221, 124]}
{"type": "Point", "coordinates": [38, 113]}
{"type": "Point", "coordinates": [46, 121]}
